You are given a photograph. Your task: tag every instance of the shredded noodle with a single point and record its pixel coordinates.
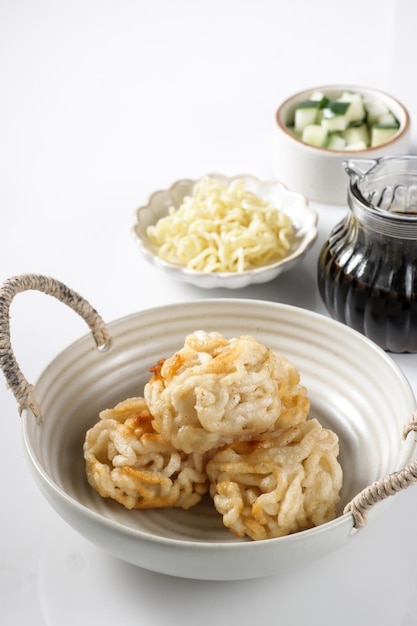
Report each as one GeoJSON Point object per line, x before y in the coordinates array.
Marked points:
{"type": "Point", "coordinates": [223, 228]}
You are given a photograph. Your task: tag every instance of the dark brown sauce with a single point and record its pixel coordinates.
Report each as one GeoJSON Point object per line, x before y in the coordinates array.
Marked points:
{"type": "Point", "coordinates": [373, 290]}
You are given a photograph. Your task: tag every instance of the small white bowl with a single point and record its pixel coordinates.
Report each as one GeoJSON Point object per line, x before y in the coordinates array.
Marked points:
{"type": "Point", "coordinates": [303, 217]}
{"type": "Point", "coordinates": [316, 172]}
{"type": "Point", "coordinates": [354, 387]}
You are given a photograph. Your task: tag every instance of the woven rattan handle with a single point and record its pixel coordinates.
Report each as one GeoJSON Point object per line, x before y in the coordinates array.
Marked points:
{"type": "Point", "coordinates": [387, 486]}
{"type": "Point", "coordinates": [23, 391]}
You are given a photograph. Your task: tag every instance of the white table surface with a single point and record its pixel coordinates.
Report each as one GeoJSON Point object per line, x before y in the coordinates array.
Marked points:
{"type": "Point", "coordinates": [103, 102]}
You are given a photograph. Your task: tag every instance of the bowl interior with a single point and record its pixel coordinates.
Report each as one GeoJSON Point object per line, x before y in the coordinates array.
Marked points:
{"type": "Point", "coordinates": [354, 387]}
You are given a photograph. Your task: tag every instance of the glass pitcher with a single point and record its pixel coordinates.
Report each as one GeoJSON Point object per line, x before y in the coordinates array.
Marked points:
{"type": "Point", "coordinates": [367, 269]}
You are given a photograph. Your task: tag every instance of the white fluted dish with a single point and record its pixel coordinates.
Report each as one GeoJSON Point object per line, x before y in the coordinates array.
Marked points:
{"type": "Point", "coordinates": [355, 388]}
{"type": "Point", "coordinates": [303, 217]}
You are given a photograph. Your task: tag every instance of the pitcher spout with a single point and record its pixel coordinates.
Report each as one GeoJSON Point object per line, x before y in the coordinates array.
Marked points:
{"type": "Point", "coordinates": [357, 168]}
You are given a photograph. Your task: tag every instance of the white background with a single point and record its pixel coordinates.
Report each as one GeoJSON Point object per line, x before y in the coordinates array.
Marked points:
{"type": "Point", "coordinates": [103, 102]}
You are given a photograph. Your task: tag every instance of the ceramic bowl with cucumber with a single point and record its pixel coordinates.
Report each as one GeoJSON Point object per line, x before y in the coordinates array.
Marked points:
{"type": "Point", "coordinates": [316, 130]}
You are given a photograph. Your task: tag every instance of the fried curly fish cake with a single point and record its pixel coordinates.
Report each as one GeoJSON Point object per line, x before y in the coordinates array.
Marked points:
{"type": "Point", "coordinates": [277, 485]}
{"type": "Point", "coordinates": [128, 461]}
{"type": "Point", "coordinates": [216, 390]}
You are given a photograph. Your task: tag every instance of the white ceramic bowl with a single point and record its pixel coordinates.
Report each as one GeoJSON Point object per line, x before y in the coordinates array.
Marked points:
{"type": "Point", "coordinates": [295, 205]}
{"type": "Point", "coordinates": [318, 173]}
{"type": "Point", "coordinates": [355, 388]}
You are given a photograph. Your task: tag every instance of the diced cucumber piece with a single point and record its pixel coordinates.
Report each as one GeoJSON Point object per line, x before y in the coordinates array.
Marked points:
{"type": "Point", "coordinates": [382, 134]}
{"type": "Point", "coordinates": [387, 119]}
{"type": "Point", "coordinates": [334, 116]}
{"type": "Point", "coordinates": [347, 96]}
{"type": "Point", "coordinates": [374, 109]}
{"type": "Point", "coordinates": [356, 111]}
{"type": "Point", "coordinates": [318, 96]}
{"type": "Point", "coordinates": [335, 108]}
{"type": "Point", "coordinates": [305, 114]}
{"type": "Point", "coordinates": [355, 135]}
{"type": "Point", "coordinates": [354, 147]}
{"type": "Point", "coordinates": [315, 135]}
{"type": "Point", "coordinates": [335, 142]}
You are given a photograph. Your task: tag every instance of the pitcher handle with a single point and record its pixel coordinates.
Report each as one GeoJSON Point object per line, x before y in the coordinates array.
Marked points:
{"type": "Point", "coordinates": [22, 390]}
